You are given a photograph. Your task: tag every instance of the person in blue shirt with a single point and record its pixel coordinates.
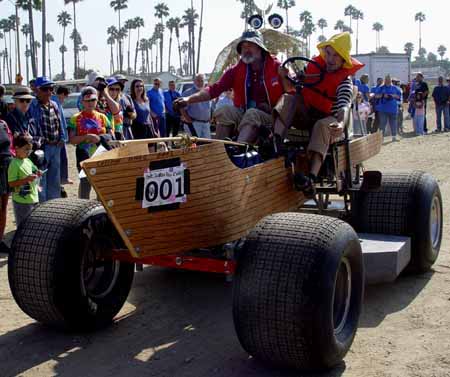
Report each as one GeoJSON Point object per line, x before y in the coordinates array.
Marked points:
{"type": "Point", "coordinates": [397, 83]}
{"type": "Point", "coordinates": [386, 97]}
{"type": "Point", "coordinates": [157, 107]}
{"type": "Point", "coordinates": [172, 117]}
{"type": "Point", "coordinates": [441, 96]}
{"type": "Point", "coordinates": [363, 87]}
{"type": "Point", "coordinates": [197, 115]}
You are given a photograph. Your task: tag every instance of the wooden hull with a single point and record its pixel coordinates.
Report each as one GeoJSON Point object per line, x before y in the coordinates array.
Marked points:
{"type": "Point", "coordinates": [224, 203]}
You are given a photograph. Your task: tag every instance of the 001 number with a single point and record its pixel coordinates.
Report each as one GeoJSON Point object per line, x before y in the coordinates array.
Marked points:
{"type": "Point", "coordinates": [164, 189]}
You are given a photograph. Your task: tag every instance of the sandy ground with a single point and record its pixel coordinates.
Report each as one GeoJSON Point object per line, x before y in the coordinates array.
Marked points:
{"type": "Point", "coordinates": [180, 324]}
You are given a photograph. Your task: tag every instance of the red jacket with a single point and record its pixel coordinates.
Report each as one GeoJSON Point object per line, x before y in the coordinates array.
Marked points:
{"type": "Point", "coordinates": [323, 96]}
{"type": "Point", "coordinates": [236, 77]}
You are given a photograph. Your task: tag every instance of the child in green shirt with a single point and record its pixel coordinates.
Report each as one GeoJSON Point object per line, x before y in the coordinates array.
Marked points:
{"type": "Point", "coordinates": [22, 178]}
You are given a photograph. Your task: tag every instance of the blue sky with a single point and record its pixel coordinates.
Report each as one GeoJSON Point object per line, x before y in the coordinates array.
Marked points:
{"type": "Point", "coordinates": [222, 24]}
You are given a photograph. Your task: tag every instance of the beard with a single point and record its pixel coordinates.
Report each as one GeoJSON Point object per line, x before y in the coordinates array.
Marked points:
{"type": "Point", "coordinates": [248, 59]}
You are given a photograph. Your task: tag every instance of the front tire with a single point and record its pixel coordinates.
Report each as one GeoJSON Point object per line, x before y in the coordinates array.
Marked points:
{"type": "Point", "coordinates": [298, 291]}
{"type": "Point", "coordinates": [58, 269]}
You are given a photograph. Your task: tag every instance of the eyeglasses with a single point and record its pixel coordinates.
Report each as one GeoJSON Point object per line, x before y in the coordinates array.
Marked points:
{"type": "Point", "coordinates": [24, 100]}
{"type": "Point", "coordinates": [90, 100]}
{"type": "Point", "coordinates": [47, 89]}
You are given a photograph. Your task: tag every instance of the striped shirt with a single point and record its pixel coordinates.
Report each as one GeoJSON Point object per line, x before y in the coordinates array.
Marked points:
{"type": "Point", "coordinates": [344, 96]}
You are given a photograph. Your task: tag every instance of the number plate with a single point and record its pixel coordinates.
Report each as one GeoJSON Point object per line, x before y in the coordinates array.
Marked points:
{"type": "Point", "coordinates": [164, 186]}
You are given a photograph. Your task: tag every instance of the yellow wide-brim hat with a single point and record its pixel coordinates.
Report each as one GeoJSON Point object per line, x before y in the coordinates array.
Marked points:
{"type": "Point", "coordinates": [342, 44]}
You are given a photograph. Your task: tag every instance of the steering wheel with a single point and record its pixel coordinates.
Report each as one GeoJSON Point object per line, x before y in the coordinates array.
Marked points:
{"type": "Point", "coordinates": [301, 78]}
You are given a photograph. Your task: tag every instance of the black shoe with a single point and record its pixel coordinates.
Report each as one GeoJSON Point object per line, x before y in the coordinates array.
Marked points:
{"type": "Point", "coordinates": [304, 184]}
{"type": "Point", "coordinates": [4, 248]}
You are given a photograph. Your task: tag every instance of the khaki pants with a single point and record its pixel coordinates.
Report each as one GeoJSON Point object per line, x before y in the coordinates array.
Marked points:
{"type": "Point", "coordinates": [288, 113]}
{"type": "Point", "coordinates": [230, 119]}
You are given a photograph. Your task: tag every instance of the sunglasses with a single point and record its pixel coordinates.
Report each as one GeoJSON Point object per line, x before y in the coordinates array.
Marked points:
{"type": "Point", "coordinates": [47, 89]}
{"type": "Point", "coordinates": [90, 100]}
{"type": "Point", "coordinates": [24, 100]}
{"type": "Point", "coordinates": [114, 89]}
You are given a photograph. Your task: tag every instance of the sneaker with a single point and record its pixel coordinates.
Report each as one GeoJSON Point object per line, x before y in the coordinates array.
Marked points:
{"type": "Point", "coordinates": [304, 184]}
{"type": "Point", "coordinates": [394, 139]}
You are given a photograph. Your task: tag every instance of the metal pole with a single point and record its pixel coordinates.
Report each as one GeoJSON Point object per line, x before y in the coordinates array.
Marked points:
{"type": "Point", "coordinates": [19, 65]}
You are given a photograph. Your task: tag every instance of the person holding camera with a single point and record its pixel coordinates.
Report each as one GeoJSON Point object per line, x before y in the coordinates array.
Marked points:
{"type": "Point", "coordinates": [127, 107]}
{"type": "Point", "coordinates": [387, 96]}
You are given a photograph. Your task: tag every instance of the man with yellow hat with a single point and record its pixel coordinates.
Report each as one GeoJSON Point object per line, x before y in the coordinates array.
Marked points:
{"type": "Point", "coordinates": [323, 108]}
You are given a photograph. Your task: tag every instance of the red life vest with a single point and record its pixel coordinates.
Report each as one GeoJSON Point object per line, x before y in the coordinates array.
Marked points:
{"type": "Point", "coordinates": [323, 95]}
{"type": "Point", "coordinates": [274, 88]}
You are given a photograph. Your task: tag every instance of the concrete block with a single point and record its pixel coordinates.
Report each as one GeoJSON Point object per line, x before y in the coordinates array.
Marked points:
{"type": "Point", "coordinates": [384, 256]}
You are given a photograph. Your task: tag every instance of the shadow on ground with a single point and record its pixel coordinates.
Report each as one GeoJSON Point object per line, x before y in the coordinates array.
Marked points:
{"type": "Point", "coordinates": [178, 324]}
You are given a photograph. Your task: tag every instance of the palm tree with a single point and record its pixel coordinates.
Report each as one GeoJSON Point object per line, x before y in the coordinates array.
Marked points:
{"type": "Point", "coordinates": [189, 19]}
{"type": "Point", "coordinates": [64, 20]}
{"type": "Point", "coordinates": [286, 4]}
{"type": "Point", "coordinates": [185, 47]}
{"type": "Point", "coordinates": [171, 24]}
{"type": "Point", "coordinates": [159, 35]}
{"type": "Point", "coordinates": [149, 47]}
{"type": "Point", "coordinates": [321, 38]}
{"type": "Point", "coordinates": [29, 5]}
{"type": "Point", "coordinates": [49, 39]}
{"type": "Point", "coordinates": [143, 47]}
{"type": "Point", "coordinates": [378, 27]}
{"type": "Point", "coordinates": [307, 29]}
{"type": "Point", "coordinates": [44, 35]}
{"type": "Point", "coordinates": [250, 8]}
{"type": "Point", "coordinates": [129, 25]}
{"type": "Point", "coordinates": [77, 42]}
{"type": "Point", "coordinates": [322, 24]}
{"type": "Point", "coordinates": [340, 25]}
{"type": "Point", "coordinates": [441, 51]}
{"type": "Point", "coordinates": [37, 46]}
{"type": "Point", "coordinates": [26, 31]}
{"type": "Point", "coordinates": [161, 11]}
{"type": "Point", "coordinates": [177, 22]}
{"type": "Point", "coordinates": [200, 31]}
{"type": "Point", "coordinates": [422, 52]}
{"type": "Point", "coordinates": [75, 47]}
{"type": "Point", "coordinates": [138, 22]}
{"type": "Point", "coordinates": [118, 6]}
{"type": "Point", "coordinates": [28, 57]}
{"type": "Point", "coordinates": [4, 26]}
{"type": "Point", "coordinates": [114, 34]}
{"type": "Point", "coordinates": [357, 15]}
{"type": "Point", "coordinates": [12, 27]}
{"type": "Point", "coordinates": [111, 42]}
{"type": "Point", "coordinates": [85, 49]}
{"type": "Point", "coordinates": [349, 11]}
{"type": "Point", "coordinates": [408, 48]}
{"type": "Point", "coordinates": [420, 17]}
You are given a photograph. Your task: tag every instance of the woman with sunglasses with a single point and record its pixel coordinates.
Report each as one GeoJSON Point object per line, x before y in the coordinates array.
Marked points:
{"type": "Point", "coordinates": [142, 126]}
{"type": "Point", "coordinates": [85, 129]}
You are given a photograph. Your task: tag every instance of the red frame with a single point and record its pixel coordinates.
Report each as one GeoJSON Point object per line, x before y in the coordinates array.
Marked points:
{"type": "Point", "coordinates": [180, 261]}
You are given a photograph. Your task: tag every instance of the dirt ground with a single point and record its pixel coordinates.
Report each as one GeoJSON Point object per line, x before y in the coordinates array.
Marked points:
{"type": "Point", "coordinates": [180, 324]}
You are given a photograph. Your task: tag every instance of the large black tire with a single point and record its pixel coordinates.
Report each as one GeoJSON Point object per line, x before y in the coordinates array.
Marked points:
{"type": "Point", "coordinates": [298, 291]}
{"type": "Point", "coordinates": [408, 204]}
{"type": "Point", "coordinates": [55, 272]}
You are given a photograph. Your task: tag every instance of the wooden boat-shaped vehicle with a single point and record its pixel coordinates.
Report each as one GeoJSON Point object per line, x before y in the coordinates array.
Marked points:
{"type": "Point", "coordinates": [298, 277]}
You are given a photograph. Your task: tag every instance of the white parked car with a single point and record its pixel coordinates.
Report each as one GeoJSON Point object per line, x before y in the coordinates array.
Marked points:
{"type": "Point", "coordinates": [70, 106]}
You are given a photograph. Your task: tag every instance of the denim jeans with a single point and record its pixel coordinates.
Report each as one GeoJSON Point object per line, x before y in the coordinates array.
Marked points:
{"type": "Point", "coordinates": [51, 180]}
{"type": "Point", "coordinates": [442, 109]}
{"type": "Point", "coordinates": [418, 124]}
{"type": "Point", "coordinates": [392, 119]}
{"type": "Point", "coordinates": [64, 164]}
{"type": "Point", "coordinates": [202, 129]}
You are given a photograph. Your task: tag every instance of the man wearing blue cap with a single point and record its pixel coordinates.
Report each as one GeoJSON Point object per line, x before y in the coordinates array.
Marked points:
{"type": "Point", "coordinates": [50, 119]}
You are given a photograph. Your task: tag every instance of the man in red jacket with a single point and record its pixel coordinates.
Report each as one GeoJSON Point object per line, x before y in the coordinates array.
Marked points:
{"type": "Point", "coordinates": [256, 86]}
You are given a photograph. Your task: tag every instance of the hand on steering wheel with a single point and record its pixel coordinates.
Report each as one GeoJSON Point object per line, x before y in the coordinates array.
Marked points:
{"type": "Point", "coordinates": [303, 79]}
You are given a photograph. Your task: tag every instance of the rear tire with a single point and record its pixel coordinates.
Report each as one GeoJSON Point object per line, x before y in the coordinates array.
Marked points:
{"type": "Point", "coordinates": [408, 204]}
{"type": "Point", "coordinates": [56, 273]}
{"type": "Point", "coordinates": [298, 291]}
